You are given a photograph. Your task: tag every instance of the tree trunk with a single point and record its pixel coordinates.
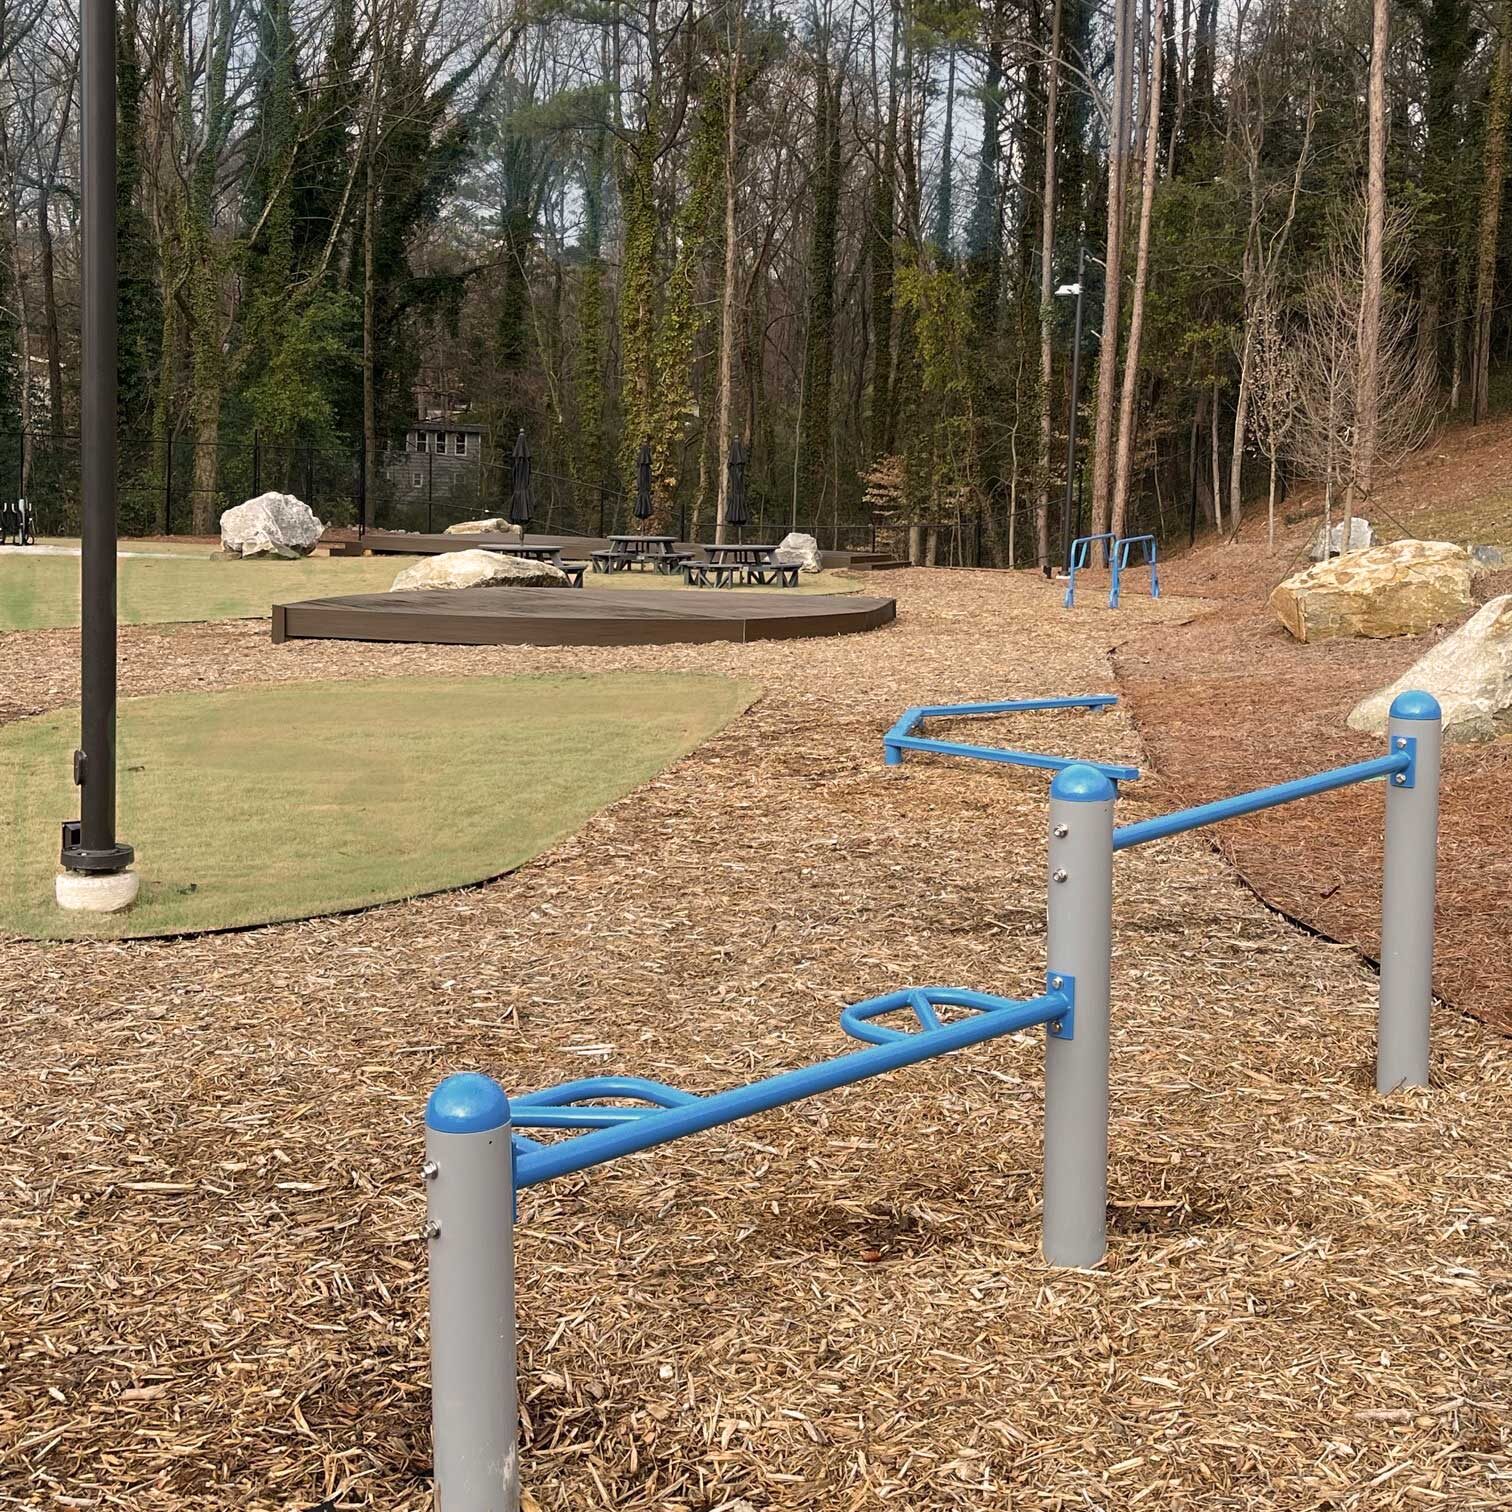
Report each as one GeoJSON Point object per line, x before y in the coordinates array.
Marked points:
{"type": "Point", "coordinates": [369, 339]}
{"type": "Point", "coordinates": [727, 296]}
{"type": "Point", "coordinates": [1367, 402]}
{"type": "Point", "coordinates": [1123, 475]}
{"type": "Point", "coordinates": [1047, 295]}
{"type": "Point", "coordinates": [1107, 362]}
{"type": "Point", "coordinates": [1490, 223]}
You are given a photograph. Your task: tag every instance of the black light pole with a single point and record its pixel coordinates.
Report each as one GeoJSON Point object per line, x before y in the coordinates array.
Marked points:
{"type": "Point", "coordinates": [1067, 507]}
{"type": "Point", "coordinates": [90, 845]}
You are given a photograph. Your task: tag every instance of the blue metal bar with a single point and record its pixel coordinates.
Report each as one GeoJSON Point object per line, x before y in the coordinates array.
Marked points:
{"type": "Point", "coordinates": [1013, 706]}
{"type": "Point", "coordinates": [1009, 757]}
{"type": "Point", "coordinates": [924, 1011]}
{"type": "Point", "coordinates": [1005, 1016]}
{"type": "Point", "coordinates": [901, 737]}
{"type": "Point", "coordinates": [1259, 798]}
{"type": "Point", "coordinates": [605, 1086]}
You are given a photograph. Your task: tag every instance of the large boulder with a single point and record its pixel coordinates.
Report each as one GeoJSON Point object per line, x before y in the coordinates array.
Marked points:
{"type": "Point", "coordinates": [271, 525]}
{"type": "Point", "coordinates": [477, 569]}
{"type": "Point", "coordinates": [1360, 536]}
{"type": "Point", "coordinates": [495, 526]}
{"type": "Point", "coordinates": [798, 550]}
{"type": "Point", "coordinates": [1469, 672]}
{"type": "Point", "coordinates": [1404, 588]}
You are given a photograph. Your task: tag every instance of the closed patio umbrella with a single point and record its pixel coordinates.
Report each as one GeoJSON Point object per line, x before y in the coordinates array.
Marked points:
{"type": "Point", "coordinates": [736, 513]}
{"type": "Point", "coordinates": [519, 471]}
{"type": "Point", "coordinates": [643, 481]}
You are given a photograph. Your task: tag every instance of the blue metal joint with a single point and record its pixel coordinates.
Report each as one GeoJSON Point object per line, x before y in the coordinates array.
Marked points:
{"type": "Point", "coordinates": [1058, 984]}
{"type": "Point", "coordinates": [1405, 745]}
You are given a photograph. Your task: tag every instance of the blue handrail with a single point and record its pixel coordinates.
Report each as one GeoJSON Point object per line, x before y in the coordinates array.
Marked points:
{"type": "Point", "coordinates": [902, 738]}
{"type": "Point", "coordinates": [1251, 802]}
{"type": "Point", "coordinates": [641, 1129]}
{"type": "Point", "coordinates": [1081, 556]}
{"type": "Point", "coordinates": [1121, 550]}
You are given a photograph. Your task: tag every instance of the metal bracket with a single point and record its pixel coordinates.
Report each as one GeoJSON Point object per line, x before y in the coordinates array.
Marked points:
{"type": "Point", "coordinates": [1405, 745]}
{"type": "Point", "coordinates": [1063, 1027]}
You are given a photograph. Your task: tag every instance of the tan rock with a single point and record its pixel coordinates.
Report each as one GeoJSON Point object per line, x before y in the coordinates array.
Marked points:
{"type": "Point", "coordinates": [1469, 672]}
{"type": "Point", "coordinates": [1404, 588]}
{"type": "Point", "coordinates": [477, 569]}
{"type": "Point", "coordinates": [495, 526]}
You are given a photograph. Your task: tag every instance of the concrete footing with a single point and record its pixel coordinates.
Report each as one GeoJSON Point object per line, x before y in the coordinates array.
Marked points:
{"type": "Point", "coordinates": [96, 892]}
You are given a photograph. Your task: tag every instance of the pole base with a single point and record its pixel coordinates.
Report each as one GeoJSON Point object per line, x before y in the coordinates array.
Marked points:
{"type": "Point", "coordinates": [96, 892]}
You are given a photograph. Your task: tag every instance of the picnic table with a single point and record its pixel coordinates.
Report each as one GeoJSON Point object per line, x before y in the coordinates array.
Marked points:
{"type": "Point", "coordinates": [745, 554]}
{"type": "Point", "coordinates": [627, 551]}
{"type": "Point", "coordinates": [529, 553]}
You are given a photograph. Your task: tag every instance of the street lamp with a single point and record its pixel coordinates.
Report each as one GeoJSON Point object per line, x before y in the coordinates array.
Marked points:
{"type": "Point", "coordinates": [96, 874]}
{"type": "Point", "coordinates": [1066, 508]}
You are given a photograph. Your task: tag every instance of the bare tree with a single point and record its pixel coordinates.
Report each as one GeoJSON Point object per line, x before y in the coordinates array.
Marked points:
{"type": "Point", "coordinates": [1274, 377]}
{"type": "Point", "coordinates": [1325, 440]}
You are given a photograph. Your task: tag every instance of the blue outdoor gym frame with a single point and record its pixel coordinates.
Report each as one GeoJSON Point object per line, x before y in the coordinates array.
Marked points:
{"type": "Point", "coordinates": [476, 1162]}
{"type": "Point", "coordinates": [1118, 558]}
{"type": "Point", "coordinates": [903, 737]}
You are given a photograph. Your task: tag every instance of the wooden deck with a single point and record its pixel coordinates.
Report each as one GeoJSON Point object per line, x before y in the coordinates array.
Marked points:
{"type": "Point", "coordinates": [577, 616]}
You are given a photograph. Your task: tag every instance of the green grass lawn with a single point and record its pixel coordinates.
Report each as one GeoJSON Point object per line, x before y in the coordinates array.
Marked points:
{"type": "Point", "coordinates": [285, 802]}
{"type": "Point", "coordinates": [42, 592]}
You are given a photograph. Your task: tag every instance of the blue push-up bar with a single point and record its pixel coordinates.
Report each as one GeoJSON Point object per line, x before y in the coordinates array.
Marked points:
{"type": "Point", "coordinates": [902, 736]}
{"type": "Point", "coordinates": [1121, 564]}
{"type": "Point", "coordinates": [622, 1131]}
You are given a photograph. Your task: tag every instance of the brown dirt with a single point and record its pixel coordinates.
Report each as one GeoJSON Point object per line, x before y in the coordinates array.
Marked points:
{"type": "Point", "coordinates": [211, 1293]}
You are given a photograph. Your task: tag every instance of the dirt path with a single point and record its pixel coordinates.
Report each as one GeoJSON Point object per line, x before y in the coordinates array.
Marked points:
{"type": "Point", "coordinates": [213, 1298]}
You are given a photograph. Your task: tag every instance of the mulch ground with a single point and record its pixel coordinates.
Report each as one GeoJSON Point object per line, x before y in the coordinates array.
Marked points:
{"type": "Point", "coordinates": [212, 1293]}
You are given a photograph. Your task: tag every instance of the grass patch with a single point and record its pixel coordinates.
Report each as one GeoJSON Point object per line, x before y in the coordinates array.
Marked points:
{"type": "Point", "coordinates": [42, 592]}
{"type": "Point", "coordinates": [267, 803]}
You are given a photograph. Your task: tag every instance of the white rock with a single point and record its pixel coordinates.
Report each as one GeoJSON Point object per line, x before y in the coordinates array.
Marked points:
{"type": "Point", "coordinates": [1360, 536]}
{"type": "Point", "coordinates": [477, 569]}
{"type": "Point", "coordinates": [271, 525]}
{"type": "Point", "coordinates": [96, 892]}
{"type": "Point", "coordinates": [1469, 672]}
{"type": "Point", "coordinates": [798, 550]}
{"type": "Point", "coordinates": [495, 526]}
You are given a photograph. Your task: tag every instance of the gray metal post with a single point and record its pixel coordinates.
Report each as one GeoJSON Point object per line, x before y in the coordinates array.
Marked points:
{"type": "Point", "coordinates": [1408, 893]}
{"type": "Point", "coordinates": [469, 1174]}
{"type": "Point", "coordinates": [1079, 952]}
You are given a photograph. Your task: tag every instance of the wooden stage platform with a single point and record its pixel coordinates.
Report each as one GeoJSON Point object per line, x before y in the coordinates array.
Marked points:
{"type": "Point", "coordinates": [578, 616]}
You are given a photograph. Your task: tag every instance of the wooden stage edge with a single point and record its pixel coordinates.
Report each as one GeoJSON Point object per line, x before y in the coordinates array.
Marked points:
{"type": "Point", "coordinates": [578, 616]}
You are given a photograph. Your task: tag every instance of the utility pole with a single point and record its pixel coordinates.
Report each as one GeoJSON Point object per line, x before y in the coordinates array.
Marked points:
{"type": "Point", "coordinates": [96, 874]}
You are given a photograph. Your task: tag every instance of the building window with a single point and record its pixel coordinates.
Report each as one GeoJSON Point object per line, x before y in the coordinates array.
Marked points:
{"type": "Point", "coordinates": [409, 441]}
{"type": "Point", "coordinates": [459, 443]}
{"type": "Point", "coordinates": [417, 480]}
{"type": "Point", "coordinates": [422, 441]}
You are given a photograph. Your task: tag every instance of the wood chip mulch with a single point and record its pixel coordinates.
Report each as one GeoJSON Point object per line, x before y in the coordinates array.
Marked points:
{"type": "Point", "coordinates": [211, 1291]}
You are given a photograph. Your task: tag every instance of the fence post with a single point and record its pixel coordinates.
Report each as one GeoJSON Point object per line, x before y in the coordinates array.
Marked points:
{"type": "Point", "coordinates": [256, 464]}
{"type": "Point", "coordinates": [1079, 952]}
{"type": "Point", "coordinates": [168, 483]}
{"type": "Point", "coordinates": [1408, 894]}
{"type": "Point", "coordinates": [430, 492]}
{"type": "Point", "coordinates": [469, 1173]}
